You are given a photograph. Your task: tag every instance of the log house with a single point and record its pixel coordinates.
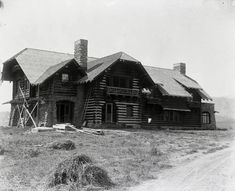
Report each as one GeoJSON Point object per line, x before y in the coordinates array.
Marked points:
{"type": "Point", "coordinates": [109, 91]}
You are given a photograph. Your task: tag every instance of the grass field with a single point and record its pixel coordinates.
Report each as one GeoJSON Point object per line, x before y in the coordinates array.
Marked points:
{"type": "Point", "coordinates": [129, 156]}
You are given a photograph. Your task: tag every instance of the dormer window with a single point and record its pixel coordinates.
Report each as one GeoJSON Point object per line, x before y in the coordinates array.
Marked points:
{"type": "Point", "coordinates": [65, 77]}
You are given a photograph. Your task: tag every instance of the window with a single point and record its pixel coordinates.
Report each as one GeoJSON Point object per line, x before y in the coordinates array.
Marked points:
{"type": "Point", "coordinates": [206, 118]}
{"type": "Point", "coordinates": [27, 85]}
{"type": "Point", "coordinates": [129, 111]}
{"type": "Point", "coordinates": [119, 81]}
{"type": "Point", "coordinates": [173, 116]}
{"type": "Point", "coordinates": [65, 78]}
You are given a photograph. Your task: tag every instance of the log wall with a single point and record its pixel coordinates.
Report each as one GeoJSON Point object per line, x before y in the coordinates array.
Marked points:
{"type": "Point", "coordinates": [161, 117]}
{"type": "Point", "coordinates": [97, 96]}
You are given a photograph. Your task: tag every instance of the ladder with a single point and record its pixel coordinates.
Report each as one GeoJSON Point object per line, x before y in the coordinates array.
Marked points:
{"type": "Point", "coordinates": [86, 103]}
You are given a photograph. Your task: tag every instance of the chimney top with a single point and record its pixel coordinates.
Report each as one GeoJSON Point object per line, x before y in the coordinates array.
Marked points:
{"type": "Point", "coordinates": [180, 67]}
{"type": "Point", "coordinates": [80, 52]}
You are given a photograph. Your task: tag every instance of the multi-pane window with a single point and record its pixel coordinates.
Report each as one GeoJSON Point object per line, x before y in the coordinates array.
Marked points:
{"type": "Point", "coordinates": [65, 77]}
{"type": "Point", "coordinates": [206, 118]}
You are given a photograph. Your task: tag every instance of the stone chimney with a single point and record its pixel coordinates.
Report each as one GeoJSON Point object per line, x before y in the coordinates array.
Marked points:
{"type": "Point", "coordinates": [80, 52]}
{"type": "Point", "coordinates": [180, 67]}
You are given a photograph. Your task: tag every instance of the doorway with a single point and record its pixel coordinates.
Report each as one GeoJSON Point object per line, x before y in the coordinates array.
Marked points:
{"type": "Point", "coordinates": [64, 111]}
{"type": "Point", "coordinates": [109, 113]}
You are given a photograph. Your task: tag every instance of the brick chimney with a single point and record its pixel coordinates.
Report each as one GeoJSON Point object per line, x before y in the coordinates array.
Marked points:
{"type": "Point", "coordinates": [180, 67]}
{"type": "Point", "coordinates": [80, 52]}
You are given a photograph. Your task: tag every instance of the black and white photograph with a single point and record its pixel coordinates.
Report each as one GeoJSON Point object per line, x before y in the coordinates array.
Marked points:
{"type": "Point", "coordinates": [117, 95]}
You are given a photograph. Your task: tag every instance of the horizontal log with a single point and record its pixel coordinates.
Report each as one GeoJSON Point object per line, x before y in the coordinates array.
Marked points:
{"type": "Point", "coordinates": [126, 103]}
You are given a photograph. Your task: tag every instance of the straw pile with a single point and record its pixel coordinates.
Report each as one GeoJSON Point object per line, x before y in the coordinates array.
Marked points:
{"type": "Point", "coordinates": [2, 150]}
{"type": "Point", "coordinates": [62, 144]}
{"type": "Point", "coordinates": [79, 169]}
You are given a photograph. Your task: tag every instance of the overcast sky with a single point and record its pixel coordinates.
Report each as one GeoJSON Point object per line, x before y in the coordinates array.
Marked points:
{"type": "Point", "coordinates": [156, 32]}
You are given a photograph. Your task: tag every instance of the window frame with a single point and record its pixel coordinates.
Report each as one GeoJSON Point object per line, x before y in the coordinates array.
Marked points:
{"type": "Point", "coordinates": [64, 77]}
{"type": "Point", "coordinates": [206, 118]}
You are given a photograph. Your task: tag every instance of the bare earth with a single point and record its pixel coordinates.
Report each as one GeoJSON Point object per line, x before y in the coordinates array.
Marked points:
{"type": "Point", "coordinates": [213, 172]}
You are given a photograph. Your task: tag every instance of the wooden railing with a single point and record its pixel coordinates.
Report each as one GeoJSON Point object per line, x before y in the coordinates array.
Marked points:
{"type": "Point", "coordinates": [122, 91]}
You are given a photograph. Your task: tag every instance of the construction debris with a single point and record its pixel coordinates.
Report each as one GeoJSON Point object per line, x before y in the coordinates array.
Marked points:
{"type": "Point", "coordinates": [65, 127]}
{"type": "Point", "coordinates": [42, 129]}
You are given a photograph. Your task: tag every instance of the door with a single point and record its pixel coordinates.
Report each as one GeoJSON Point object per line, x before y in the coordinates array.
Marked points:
{"type": "Point", "coordinates": [109, 113]}
{"type": "Point", "coordinates": [64, 111]}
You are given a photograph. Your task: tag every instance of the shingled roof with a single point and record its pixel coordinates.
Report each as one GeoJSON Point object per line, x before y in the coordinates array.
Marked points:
{"type": "Point", "coordinates": [173, 83]}
{"type": "Point", "coordinates": [38, 65]}
{"type": "Point", "coordinates": [101, 64]}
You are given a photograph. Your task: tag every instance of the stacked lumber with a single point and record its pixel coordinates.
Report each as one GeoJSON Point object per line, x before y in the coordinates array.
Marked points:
{"type": "Point", "coordinates": [64, 127]}
{"type": "Point", "coordinates": [42, 129]}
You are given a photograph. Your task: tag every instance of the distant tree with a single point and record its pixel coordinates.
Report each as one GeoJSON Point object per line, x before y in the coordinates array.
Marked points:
{"type": "Point", "coordinates": [1, 4]}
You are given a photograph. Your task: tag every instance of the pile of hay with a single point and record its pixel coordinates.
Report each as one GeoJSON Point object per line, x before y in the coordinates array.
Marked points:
{"type": "Point", "coordinates": [94, 175]}
{"type": "Point", "coordinates": [62, 144]}
{"type": "Point", "coordinates": [79, 169]}
{"type": "Point", "coordinates": [2, 150]}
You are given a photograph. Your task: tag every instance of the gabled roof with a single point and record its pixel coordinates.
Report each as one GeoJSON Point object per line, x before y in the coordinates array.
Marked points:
{"type": "Point", "coordinates": [35, 62]}
{"type": "Point", "coordinates": [101, 64]}
{"type": "Point", "coordinates": [53, 69]}
{"type": "Point", "coordinates": [39, 65]}
{"type": "Point", "coordinates": [173, 83]}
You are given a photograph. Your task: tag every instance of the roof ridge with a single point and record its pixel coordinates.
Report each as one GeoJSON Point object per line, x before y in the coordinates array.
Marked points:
{"type": "Point", "coordinates": [52, 51]}
{"type": "Point", "coordinates": [49, 51]}
{"type": "Point", "coordinates": [159, 68]}
{"type": "Point", "coordinates": [107, 56]}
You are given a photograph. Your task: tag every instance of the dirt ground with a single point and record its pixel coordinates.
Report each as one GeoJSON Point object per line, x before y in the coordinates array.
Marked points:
{"type": "Point", "coordinates": [213, 172]}
{"type": "Point", "coordinates": [129, 156]}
